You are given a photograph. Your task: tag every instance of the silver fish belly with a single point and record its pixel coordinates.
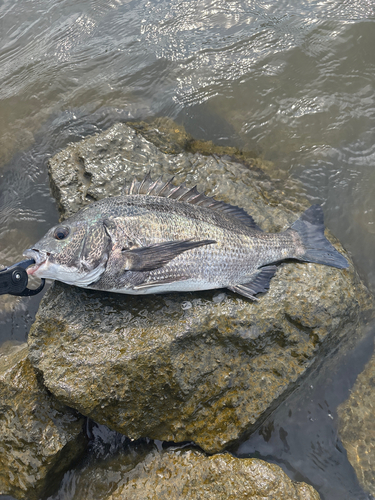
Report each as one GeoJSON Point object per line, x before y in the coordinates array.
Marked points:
{"type": "Point", "coordinates": [161, 238]}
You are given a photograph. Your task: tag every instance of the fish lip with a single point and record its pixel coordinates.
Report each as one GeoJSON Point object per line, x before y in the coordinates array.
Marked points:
{"type": "Point", "coordinates": [39, 256]}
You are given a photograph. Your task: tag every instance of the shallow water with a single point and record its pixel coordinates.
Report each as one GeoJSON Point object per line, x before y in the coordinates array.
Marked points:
{"type": "Point", "coordinates": [293, 81]}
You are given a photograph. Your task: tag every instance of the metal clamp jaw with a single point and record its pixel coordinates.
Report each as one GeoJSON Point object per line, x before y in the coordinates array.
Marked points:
{"type": "Point", "coordinates": [13, 280]}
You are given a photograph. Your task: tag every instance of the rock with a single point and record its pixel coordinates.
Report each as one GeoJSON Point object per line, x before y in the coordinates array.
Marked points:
{"type": "Point", "coordinates": [202, 367]}
{"type": "Point", "coordinates": [273, 183]}
{"type": "Point", "coordinates": [139, 471]}
{"type": "Point", "coordinates": [39, 436]}
{"type": "Point", "coordinates": [356, 427]}
{"type": "Point", "coordinates": [98, 167]}
{"type": "Point", "coordinates": [190, 474]}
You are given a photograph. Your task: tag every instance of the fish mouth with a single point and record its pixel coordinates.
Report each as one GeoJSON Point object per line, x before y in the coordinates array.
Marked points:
{"type": "Point", "coordinates": [40, 258]}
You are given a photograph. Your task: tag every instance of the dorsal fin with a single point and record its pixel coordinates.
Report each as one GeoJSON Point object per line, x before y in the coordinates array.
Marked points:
{"type": "Point", "coordinates": [189, 195]}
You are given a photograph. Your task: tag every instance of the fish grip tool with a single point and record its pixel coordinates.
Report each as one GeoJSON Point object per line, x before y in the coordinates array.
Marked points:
{"type": "Point", "coordinates": [13, 280]}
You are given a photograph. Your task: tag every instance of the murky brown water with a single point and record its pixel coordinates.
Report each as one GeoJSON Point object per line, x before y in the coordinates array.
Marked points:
{"type": "Point", "coordinates": [292, 80]}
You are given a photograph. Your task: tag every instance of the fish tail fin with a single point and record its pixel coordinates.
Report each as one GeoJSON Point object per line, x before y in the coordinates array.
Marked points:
{"type": "Point", "coordinates": [310, 228]}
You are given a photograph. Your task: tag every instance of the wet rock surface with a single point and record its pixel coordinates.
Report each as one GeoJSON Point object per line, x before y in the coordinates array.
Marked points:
{"type": "Point", "coordinates": [39, 437]}
{"type": "Point", "coordinates": [190, 474]}
{"type": "Point", "coordinates": [141, 470]}
{"type": "Point", "coordinates": [99, 166]}
{"type": "Point", "coordinates": [356, 427]}
{"type": "Point", "coordinates": [206, 366]}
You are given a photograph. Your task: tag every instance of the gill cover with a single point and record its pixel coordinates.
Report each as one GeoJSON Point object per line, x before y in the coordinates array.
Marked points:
{"type": "Point", "coordinates": [75, 253]}
{"type": "Point", "coordinates": [93, 256]}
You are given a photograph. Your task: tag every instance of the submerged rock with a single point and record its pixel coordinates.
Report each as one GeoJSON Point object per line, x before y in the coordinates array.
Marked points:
{"type": "Point", "coordinates": [39, 436]}
{"type": "Point", "coordinates": [357, 429]}
{"type": "Point", "coordinates": [202, 367]}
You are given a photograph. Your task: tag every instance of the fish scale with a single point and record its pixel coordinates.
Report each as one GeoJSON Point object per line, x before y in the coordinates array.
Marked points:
{"type": "Point", "coordinates": [159, 238]}
{"type": "Point", "coordinates": [232, 258]}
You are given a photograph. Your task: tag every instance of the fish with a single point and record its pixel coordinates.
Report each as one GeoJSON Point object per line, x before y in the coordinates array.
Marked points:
{"type": "Point", "coordinates": [157, 237]}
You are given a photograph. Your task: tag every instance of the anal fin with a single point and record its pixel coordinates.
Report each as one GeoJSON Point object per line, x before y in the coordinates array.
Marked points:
{"type": "Point", "coordinates": [259, 284]}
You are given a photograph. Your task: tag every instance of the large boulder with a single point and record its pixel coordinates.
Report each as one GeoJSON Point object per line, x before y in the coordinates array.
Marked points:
{"type": "Point", "coordinates": [39, 436]}
{"type": "Point", "coordinates": [357, 429]}
{"type": "Point", "coordinates": [204, 366]}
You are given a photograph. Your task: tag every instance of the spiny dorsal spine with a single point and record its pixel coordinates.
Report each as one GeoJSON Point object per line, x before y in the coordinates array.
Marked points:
{"type": "Point", "coordinates": [188, 195]}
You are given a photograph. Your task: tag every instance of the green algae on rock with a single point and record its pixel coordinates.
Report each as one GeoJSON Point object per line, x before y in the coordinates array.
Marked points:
{"type": "Point", "coordinates": [357, 429]}
{"type": "Point", "coordinates": [39, 436]}
{"type": "Point", "coordinates": [206, 366]}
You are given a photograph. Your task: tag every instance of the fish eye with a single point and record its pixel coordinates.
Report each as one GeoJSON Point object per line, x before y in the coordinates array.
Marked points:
{"type": "Point", "coordinates": [61, 233]}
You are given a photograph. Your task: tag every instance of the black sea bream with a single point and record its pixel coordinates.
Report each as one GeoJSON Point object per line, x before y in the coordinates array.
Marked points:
{"type": "Point", "coordinates": [161, 238]}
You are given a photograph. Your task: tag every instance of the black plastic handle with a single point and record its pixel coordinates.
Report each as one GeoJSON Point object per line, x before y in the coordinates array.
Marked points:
{"type": "Point", "coordinates": [13, 280]}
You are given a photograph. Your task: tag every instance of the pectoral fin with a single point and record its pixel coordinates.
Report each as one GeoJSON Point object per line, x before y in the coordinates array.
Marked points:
{"type": "Point", "coordinates": [157, 255]}
{"type": "Point", "coordinates": [260, 283]}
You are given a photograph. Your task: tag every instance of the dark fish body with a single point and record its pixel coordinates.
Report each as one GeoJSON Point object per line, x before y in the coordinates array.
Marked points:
{"type": "Point", "coordinates": [161, 238]}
